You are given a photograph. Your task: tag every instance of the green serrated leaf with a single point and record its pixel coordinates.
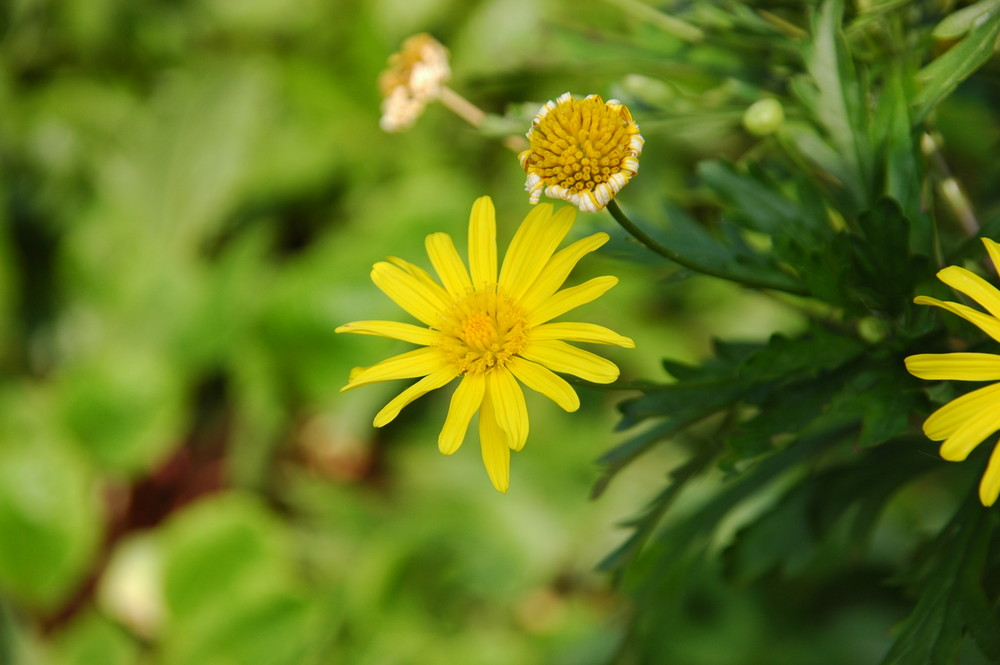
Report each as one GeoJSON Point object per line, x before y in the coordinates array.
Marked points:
{"type": "Point", "coordinates": [644, 525]}
{"type": "Point", "coordinates": [763, 208]}
{"type": "Point", "coordinates": [817, 350]}
{"type": "Point", "coordinates": [794, 531]}
{"type": "Point", "coordinates": [782, 537]}
{"type": "Point", "coordinates": [721, 254]}
{"type": "Point", "coordinates": [931, 634]}
{"type": "Point", "coordinates": [673, 544]}
{"type": "Point", "coordinates": [883, 272]}
{"type": "Point", "coordinates": [621, 455]}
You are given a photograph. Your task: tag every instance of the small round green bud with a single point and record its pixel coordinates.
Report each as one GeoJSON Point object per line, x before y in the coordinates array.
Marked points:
{"type": "Point", "coordinates": [872, 330]}
{"type": "Point", "coordinates": [764, 117]}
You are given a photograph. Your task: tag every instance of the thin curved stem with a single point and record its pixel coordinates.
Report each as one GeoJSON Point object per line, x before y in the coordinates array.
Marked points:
{"type": "Point", "coordinates": [667, 253]}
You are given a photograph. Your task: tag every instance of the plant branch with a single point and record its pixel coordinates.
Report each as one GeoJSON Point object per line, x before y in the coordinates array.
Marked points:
{"type": "Point", "coordinates": [667, 253]}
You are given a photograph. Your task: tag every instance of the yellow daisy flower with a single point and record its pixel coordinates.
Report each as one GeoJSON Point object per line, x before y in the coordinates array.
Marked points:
{"type": "Point", "coordinates": [415, 77]}
{"type": "Point", "coordinates": [963, 423]}
{"type": "Point", "coordinates": [491, 330]}
{"type": "Point", "coordinates": [582, 151]}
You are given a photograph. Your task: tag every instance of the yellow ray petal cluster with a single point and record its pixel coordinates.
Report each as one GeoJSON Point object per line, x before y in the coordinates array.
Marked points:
{"type": "Point", "coordinates": [582, 151]}
{"type": "Point", "coordinates": [966, 421]}
{"type": "Point", "coordinates": [491, 327]}
{"type": "Point", "coordinates": [414, 78]}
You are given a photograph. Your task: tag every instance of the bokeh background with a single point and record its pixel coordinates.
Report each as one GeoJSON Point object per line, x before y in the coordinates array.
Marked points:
{"type": "Point", "coordinates": [193, 193]}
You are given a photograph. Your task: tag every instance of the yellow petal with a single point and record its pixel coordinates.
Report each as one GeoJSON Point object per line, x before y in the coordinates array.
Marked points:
{"type": "Point", "coordinates": [496, 451]}
{"type": "Point", "coordinates": [532, 246]}
{"type": "Point", "coordinates": [439, 296]}
{"type": "Point", "coordinates": [590, 332]}
{"type": "Point", "coordinates": [409, 365]}
{"type": "Point", "coordinates": [988, 324]}
{"type": "Point", "coordinates": [508, 403]}
{"type": "Point", "coordinates": [989, 487]}
{"type": "Point", "coordinates": [406, 332]}
{"type": "Point", "coordinates": [562, 357]}
{"type": "Point", "coordinates": [558, 269]}
{"type": "Point", "coordinates": [544, 381]}
{"type": "Point", "coordinates": [408, 292]}
{"type": "Point", "coordinates": [464, 403]}
{"type": "Point", "coordinates": [418, 389]}
{"type": "Point", "coordinates": [973, 286]}
{"type": "Point", "coordinates": [483, 242]}
{"type": "Point", "coordinates": [955, 366]}
{"type": "Point", "coordinates": [947, 419]}
{"type": "Point", "coordinates": [977, 426]}
{"type": "Point", "coordinates": [448, 264]}
{"type": "Point", "coordinates": [570, 298]}
{"type": "Point", "coordinates": [994, 251]}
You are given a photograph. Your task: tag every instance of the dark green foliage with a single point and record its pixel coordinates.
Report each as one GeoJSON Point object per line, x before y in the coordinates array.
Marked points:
{"type": "Point", "coordinates": [807, 442]}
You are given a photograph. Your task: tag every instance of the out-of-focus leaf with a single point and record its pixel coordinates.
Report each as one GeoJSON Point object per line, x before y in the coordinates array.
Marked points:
{"type": "Point", "coordinates": [838, 103]}
{"type": "Point", "coordinates": [828, 169]}
{"type": "Point", "coordinates": [229, 541]}
{"type": "Point", "coordinates": [92, 639]}
{"type": "Point", "coordinates": [959, 22]}
{"type": "Point", "coordinates": [278, 629]}
{"type": "Point", "coordinates": [904, 172]}
{"type": "Point", "coordinates": [124, 405]}
{"type": "Point", "coordinates": [940, 78]}
{"type": "Point", "coordinates": [258, 414]}
{"type": "Point", "coordinates": [230, 587]}
{"type": "Point", "coordinates": [181, 170]}
{"type": "Point", "coordinates": [48, 513]}
{"type": "Point", "coordinates": [8, 285]}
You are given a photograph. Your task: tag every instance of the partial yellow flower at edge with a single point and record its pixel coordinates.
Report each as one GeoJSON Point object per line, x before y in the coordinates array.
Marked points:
{"type": "Point", "coordinates": [582, 151]}
{"type": "Point", "coordinates": [415, 77]}
{"type": "Point", "coordinates": [965, 422]}
{"type": "Point", "coordinates": [491, 329]}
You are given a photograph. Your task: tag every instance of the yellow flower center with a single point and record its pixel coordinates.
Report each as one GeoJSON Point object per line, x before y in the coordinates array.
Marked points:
{"type": "Point", "coordinates": [580, 144]}
{"type": "Point", "coordinates": [483, 331]}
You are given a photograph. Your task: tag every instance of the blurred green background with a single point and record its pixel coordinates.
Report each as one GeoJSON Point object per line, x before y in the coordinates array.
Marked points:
{"type": "Point", "coordinates": [193, 194]}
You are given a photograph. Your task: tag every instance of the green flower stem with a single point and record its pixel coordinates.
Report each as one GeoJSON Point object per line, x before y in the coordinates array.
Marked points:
{"type": "Point", "coordinates": [668, 253]}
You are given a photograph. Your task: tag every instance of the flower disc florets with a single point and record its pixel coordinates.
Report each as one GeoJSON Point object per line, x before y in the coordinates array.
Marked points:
{"type": "Point", "coordinates": [414, 78]}
{"type": "Point", "coordinates": [483, 331]}
{"type": "Point", "coordinates": [582, 151]}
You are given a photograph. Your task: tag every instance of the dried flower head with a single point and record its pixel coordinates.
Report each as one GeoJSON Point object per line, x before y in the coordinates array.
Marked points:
{"type": "Point", "coordinates": [414, 78]}
{"type": "Point", "coordinates": [582, 151]}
